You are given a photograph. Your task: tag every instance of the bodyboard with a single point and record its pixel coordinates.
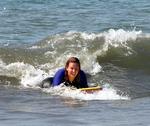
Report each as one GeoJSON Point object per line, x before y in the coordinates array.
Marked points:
{"type": "Point", "coordinates": [91, 89]}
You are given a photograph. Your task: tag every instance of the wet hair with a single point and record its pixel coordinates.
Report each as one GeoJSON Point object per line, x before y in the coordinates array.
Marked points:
{"type": "Point", "coordinates": [72, 60]}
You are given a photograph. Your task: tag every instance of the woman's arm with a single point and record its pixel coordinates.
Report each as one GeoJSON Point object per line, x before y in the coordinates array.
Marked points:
{"type": "Point", "coordinates": [58, 77]}
{"type": "Point", "coordinates": [83, 80]}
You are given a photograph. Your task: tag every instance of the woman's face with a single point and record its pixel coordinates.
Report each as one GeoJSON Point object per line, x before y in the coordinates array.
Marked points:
{"type": "Point", "coordinates": [73, 70]}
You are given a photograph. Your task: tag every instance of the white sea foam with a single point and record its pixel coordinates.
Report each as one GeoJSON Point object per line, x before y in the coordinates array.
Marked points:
{"type": "Point", "coordinates": [26, 73]}
{"type": "Point", "coordinates": [118, 38]}
{"type": "Point", "coordinates": [105, 94]}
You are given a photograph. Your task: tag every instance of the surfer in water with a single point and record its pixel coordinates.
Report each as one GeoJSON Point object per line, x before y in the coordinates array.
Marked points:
{"type": "Point", "coordinates": [71, 75]}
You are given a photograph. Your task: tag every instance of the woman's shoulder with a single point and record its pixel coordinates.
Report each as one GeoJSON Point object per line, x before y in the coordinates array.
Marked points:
{"type": "Point", "coordinates": [82, 72]}
{"type": "Point", "coordinates": [61, 71]}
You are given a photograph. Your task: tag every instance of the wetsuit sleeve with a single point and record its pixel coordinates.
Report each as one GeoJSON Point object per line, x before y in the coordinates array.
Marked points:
{"type": "Point", "coordinates": [83, 80]}
{"type": "Point", "coordinates": [58, 77]}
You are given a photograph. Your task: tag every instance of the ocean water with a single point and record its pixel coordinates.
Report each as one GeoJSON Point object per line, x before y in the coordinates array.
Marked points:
{"type": "Point", "coordinates": [112, 41]}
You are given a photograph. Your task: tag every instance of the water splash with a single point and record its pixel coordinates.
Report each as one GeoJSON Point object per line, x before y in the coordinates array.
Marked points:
{"type": "Point", "coordinates": [104, 94]}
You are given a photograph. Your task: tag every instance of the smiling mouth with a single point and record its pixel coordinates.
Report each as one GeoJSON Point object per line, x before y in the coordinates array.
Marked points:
{"type": "Point", "coordinates": [73, 74]}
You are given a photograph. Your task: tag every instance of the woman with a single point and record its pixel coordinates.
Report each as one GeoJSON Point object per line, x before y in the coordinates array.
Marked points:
{"type": "Point", "coordinates": [71, 75]}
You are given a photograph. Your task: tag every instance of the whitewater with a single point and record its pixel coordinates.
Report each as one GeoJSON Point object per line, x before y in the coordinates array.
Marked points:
{"type": "Point", "coordinates": [36, 39]}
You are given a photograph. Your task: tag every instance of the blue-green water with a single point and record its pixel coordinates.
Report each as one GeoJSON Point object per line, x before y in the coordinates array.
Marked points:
{"type": "Point", "coordinates": [30, 21]}
{"type": "Point", "coordinates": [112, 41]}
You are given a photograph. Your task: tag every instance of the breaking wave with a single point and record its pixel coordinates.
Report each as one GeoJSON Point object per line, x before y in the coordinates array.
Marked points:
{"type": "Point", "coordinates": [113, 49]}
